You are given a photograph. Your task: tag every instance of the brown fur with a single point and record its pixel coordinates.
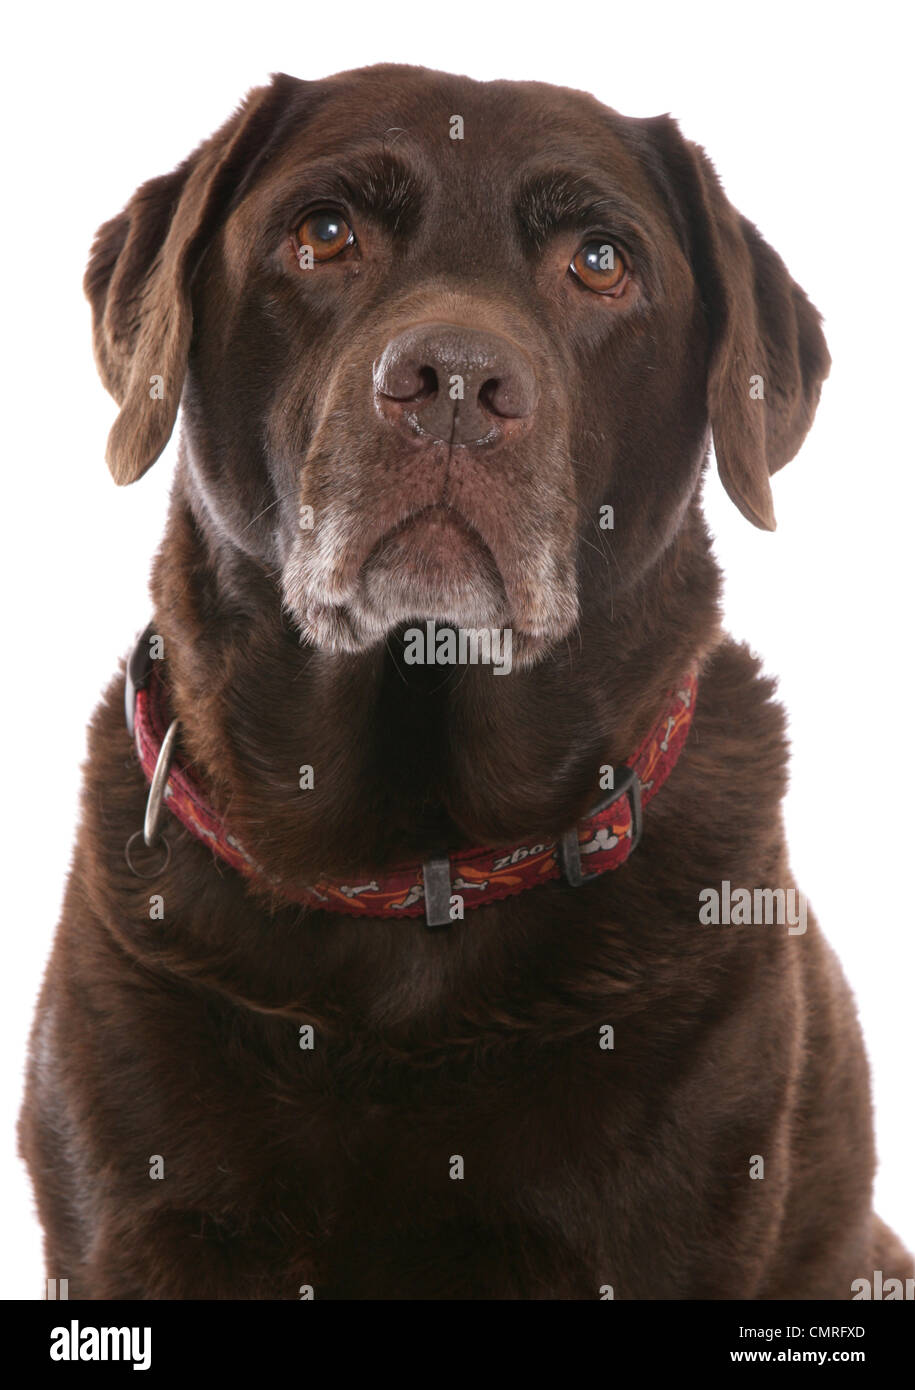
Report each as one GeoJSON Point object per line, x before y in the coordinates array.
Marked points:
{"type": "Point", "coordinates": [330, 1167]}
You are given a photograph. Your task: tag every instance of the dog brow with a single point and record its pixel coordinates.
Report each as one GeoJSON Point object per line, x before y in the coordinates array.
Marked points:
{"type": "Point", "coordinates": [380, 183]}
{"type": "Point", "coordinates": [553, 199]}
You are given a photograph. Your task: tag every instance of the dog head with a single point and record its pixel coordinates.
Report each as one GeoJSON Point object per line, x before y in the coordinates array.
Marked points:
{"type": "Point", "coordinates": [427, 331]}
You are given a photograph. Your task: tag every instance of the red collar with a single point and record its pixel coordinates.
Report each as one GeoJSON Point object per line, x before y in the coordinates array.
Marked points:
{"type": "Point", "coordinates": [443, 887]}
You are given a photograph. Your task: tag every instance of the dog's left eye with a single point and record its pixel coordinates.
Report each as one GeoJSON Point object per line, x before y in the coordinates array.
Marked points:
{"type": "Point", "coordinates": [600, 267]}
{"type": "Point", "coordinates": [326, 233]}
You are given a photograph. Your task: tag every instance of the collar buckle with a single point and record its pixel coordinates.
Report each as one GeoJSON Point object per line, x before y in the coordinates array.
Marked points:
{"type": "Point", "coordinates": [568, 850]}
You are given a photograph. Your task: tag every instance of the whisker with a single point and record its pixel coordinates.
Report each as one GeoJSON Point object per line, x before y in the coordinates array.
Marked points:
{"type": "Point", "coordinates": [275, 503]}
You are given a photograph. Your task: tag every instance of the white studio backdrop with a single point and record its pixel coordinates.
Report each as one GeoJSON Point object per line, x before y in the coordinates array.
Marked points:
{"type": "Point", "coordinates": [804, 109]}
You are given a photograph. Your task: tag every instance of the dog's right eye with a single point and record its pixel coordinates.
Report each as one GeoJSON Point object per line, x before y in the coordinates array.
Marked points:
{"type": "Point", "coordinates": [325, 233]}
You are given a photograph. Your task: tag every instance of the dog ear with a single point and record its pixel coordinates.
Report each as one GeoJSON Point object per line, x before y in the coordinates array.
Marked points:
{"type": "Point", "coordinates": [768, 354]}
{"type": "Point", "coordinates": [138, 280]}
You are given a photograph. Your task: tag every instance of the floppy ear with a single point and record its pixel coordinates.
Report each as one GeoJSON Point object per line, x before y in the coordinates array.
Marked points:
{"type": "Point", "coordinates": [138, 280]}
{"type": "Point", "coordinates": [768, 354]}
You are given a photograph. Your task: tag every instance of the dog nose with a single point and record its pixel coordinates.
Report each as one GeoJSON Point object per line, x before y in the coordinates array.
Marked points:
{"type": "Point", "coordinates": [455, 384]}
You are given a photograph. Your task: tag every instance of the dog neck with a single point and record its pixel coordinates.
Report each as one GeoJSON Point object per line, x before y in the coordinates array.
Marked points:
{"type": "Point", "coordinates": [408, 759]}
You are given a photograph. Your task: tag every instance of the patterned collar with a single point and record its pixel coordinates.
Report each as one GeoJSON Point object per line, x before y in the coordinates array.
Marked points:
{"type": "Point", "coordinates": [442, 887]}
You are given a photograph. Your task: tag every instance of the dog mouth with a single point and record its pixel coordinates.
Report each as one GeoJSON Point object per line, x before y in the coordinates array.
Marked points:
{"type": "Point", "coordinates": [371, 564]}
{"type": "Point", "coordinates": [432, 564]}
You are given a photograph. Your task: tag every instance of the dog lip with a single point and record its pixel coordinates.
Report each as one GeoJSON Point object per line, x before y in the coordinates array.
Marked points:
{"type": "Point", "coordinates": [433, 563]}
{"type": "Point", "coordinates": [440, 517]}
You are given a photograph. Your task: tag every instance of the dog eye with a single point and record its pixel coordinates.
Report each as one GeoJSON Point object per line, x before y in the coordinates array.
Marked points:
{"type": "Point", "coordinates": [600, 267]}
{"type": "Point", "coordinates": [326, 232]}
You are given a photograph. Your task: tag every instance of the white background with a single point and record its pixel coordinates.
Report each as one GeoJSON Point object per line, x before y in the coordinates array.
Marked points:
{"type": "Point", "coordinates": [805, 109]}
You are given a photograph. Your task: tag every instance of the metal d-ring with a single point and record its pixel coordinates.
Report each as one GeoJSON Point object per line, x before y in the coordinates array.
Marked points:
{"type": "Point", "coordinates": [146, 873]}
{"type": "Point", "coordinates": [155, 806]}
{"type": "Point", "coordinates": [155, 802]}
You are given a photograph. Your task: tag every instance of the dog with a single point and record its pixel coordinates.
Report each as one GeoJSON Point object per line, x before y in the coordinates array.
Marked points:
{"type": "Point", "coordinates": [390, 979]}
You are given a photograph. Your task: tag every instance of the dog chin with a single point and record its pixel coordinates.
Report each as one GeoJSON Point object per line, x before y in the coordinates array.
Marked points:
{"type": "Point", "coordinates": [429, 569]}
{"type": "Point", "coordinates": [382, 609]}
{"type": "Point", "coordinates": [351, 629]}
{"type": "Point", "coordinates": [397, 583]}
{"type": "Point", "coordinates": [387, 600]}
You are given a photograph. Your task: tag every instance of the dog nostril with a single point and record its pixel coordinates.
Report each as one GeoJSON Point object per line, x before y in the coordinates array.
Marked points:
{"type": "Point", "coordinates": [486, 395]}
{"type": "Point", "coordinates": [505, 397]}
{"type": "Point", "coordinates": [406, 383]}
{"type": "Point", "coordinates": [428, 383]}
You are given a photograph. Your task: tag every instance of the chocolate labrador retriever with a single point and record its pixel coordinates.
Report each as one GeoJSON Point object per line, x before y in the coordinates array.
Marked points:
{"type": "Point", "coordinates": [430, 931]}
